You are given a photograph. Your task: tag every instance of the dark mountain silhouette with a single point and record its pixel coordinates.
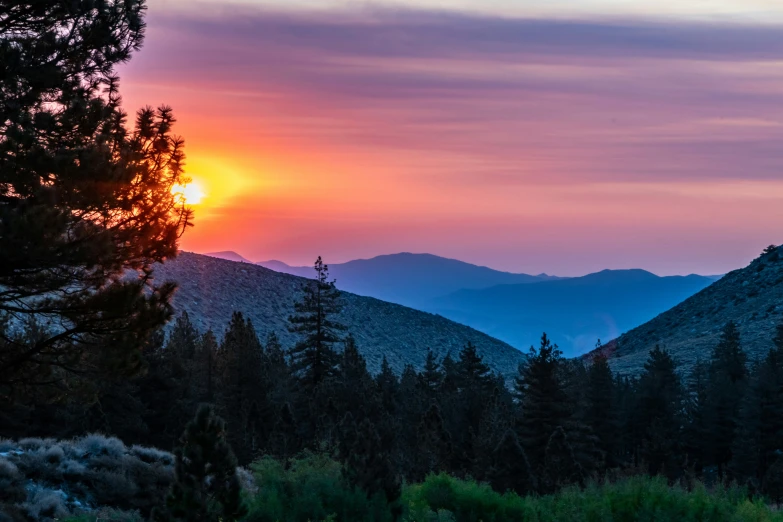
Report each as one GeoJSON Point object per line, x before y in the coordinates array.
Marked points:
{"type": "Point", "coordinates": [410, 279]}
{"type": "Point", "coordinates": [211, 289]}
{"type": "Point", "coordinates": [751, 296]}
{"type": "Point", "coordinates": [575, 312]}
{"type": "Point", "coordinates": [228, 255]}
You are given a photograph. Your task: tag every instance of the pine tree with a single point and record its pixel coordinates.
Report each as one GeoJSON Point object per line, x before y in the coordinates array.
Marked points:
{"type": "Point", "coordinates": [278, 384]}
{"type": "Point", "coordinates": [601, 414]}
{"type": "Point", "coordinates": [431, 375]}
{"type": "Point", "coordinates": [207, 367]}
{"type": "Point", "coordinates": [314, 357]}
{"type": "Point", "coordinates": [543, 400]}
{"type": "Point", "coordinates": [726, 383]}
{"type": "Point", "coordinates": [434, 445]}
{"type": "Point", "coordinates": [510, 469]}
{"type": "Point", "coordinates": [354, 390]}
{"type": "Point", "coordinates": [413, 400]}
{"type": "Point", "coordinates": [697, 430]}
{"type": "Point", "coordinates": [206, 486]}
{"type": "Point", "coordinates": [658, 414]}
{"type": "Point", "coordinates": [183, 339]}
{"type": "Point", "coordinates": [285, 440]}
{"type": "Point", "coordinates": [368, 464]}
{"type": "Point", "coordinates": [475, 387]}
{"type": "Point", "coordinates": [496, 419]}
{"type": "Point", "coordinates": [162, 392]}
{"type": "Point", "coordinates": [561, 467]}
{"type": "Point", "coordinates": [587, 448]}
{"type": "Point", "coordinates": [388, 387]}
{"type": "Point", "coordinates": [83, 200]}
{"type": "Point", "coordinates": [772, 483]}
{"type": "Point", "coordinates": [760, 427]}
{"type": "Point", "coordinates": [625, 391]}
{"type": "Point", "coordinates": [472, 372]}
{"type": "Point", "coordinates": [275, 355]}
{"type": "Point", "coordinates": [240, 396]}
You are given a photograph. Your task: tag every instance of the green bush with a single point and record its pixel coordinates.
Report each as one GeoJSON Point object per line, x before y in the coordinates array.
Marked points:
{"type": "Point", "coordinates": [638, 499]}
{"type": "Point", "coordinates": [311, 488]}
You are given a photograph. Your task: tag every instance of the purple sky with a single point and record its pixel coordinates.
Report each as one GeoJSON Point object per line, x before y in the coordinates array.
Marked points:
{"type": "Point", "coordinates": [514, 138]}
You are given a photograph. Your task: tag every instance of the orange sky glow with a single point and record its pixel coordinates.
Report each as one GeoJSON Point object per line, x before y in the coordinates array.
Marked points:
{"type": "Point", "coordinates": [485, 138]}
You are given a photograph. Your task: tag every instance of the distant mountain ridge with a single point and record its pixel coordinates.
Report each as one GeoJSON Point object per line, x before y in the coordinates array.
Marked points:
{"type": "Point", "coordinates": [575, 312]}
{"type": "Point", "coordinates": [751, 296]}
{"type": "Point", "coordinates": [410, 279]}
{"type": "Point", "coordinates": [211, 289]}
{"type": "Point", "coordinates": [229, 255]}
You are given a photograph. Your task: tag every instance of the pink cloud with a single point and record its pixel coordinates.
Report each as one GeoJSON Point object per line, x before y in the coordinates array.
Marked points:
{"type": "Point", "coordinates": [570, 145]}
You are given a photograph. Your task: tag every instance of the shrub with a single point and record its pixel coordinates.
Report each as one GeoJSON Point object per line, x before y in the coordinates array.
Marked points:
{"type": "Point", "coordinates": [11, 483]}
{"type": "Point", "coordinates": [465, 500]}
{"type": "Point", "coordinates": [45, 504]}
{"type": "Point", "coordinates": [636, 498]}
{"type": "Point", "coordinates": [91, 471]}
{"type": "Point", "coordinates": [96, 444]}
{"type": "Point", "coordinates": [30, 444]}
{"type": "Point", "coordinates": [152, 455]}
{"type": "Point", "coordinates": [311, 487]}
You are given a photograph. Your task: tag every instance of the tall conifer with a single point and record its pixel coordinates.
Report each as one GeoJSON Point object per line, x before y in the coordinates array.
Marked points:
{"type": "Point", "coordinates": [658, 414]}
{"type": "Point", "coordinates": [544, 402]}
{"type": "Point", "coordinates": [206, 486]}
{"type": "Point", "coordinates": [314, 356]}
{"type": "Point", "coordinates": [726, 383]}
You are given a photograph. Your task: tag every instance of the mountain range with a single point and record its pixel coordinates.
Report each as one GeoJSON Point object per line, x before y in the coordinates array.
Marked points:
{"type": "Point", "coordinates": [751, 296]}
{"type": "Point", "coordinates": [574, 312]}
{"type": "Point", "coordinates": [211, 289]}
{"type": "Point", "coordinates": [635, 308]}
{"type": "Point", "coordinates": [410, 279]}
{"type": "Point", "coordinates": [516, 308]}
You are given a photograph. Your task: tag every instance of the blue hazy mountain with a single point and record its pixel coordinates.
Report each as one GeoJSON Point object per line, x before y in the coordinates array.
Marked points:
{"type": "Point", "coordinates": [410, 279]}
{"type": "Point", "coordinates": [575, 312]}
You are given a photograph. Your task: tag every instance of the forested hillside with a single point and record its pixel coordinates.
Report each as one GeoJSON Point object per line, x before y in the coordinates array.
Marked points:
{"type": "Point", "coordinates": [752, 297]}
{"type": "Point", "coordinates": [211, 289]}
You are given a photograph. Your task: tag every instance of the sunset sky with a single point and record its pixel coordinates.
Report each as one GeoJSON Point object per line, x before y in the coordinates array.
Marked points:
{"type": "Point", "coordinates": [585, 135]}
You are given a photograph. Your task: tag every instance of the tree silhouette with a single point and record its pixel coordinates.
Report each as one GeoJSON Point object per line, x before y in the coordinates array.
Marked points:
{"type": "Point", "coordinates": [726, 382]}
{"type": "Point", "coordinates": [83, 199]}
{"type": "Point", "coordinates": [601, 413]}
{"type": "Point", "coordinates": [658, 415]}
{"type": "Point", "coordinates": [510, 469]}
{"type": "Point", "coordinates": [241, 377]}
{"type": "Point", "coordinates": [760, 427]}
{"type": "Point", "coordinates": [206, 486]}
{"type": "Point", "coordinates": [314, 357]}
{"type": "Point", "coordinates": [561, 467]}
{"type": "Point", "coordinates": [544, 403]}
{"type": "Point", "coordinates": [431, 375]}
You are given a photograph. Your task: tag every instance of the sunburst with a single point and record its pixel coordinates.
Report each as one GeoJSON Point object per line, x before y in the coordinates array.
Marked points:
{"type": "Point", "coordinates": [190, 193]}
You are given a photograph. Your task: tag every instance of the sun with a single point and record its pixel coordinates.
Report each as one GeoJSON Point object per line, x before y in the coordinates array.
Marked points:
{"type": "Point", "coordinates": [190, 193]}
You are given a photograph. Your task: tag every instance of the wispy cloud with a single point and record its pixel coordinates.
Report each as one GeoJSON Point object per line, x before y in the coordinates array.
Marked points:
{"type": "Point", "coordinates": [400, 102]}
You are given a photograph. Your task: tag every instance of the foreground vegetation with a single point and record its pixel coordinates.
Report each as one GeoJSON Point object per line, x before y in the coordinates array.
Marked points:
{"type": "Point", "coordinates": [93, 473]}
{"type": "Point", "coordinates": [313, 488]}
{"type": "Point", "coordinates": [86, 202]}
